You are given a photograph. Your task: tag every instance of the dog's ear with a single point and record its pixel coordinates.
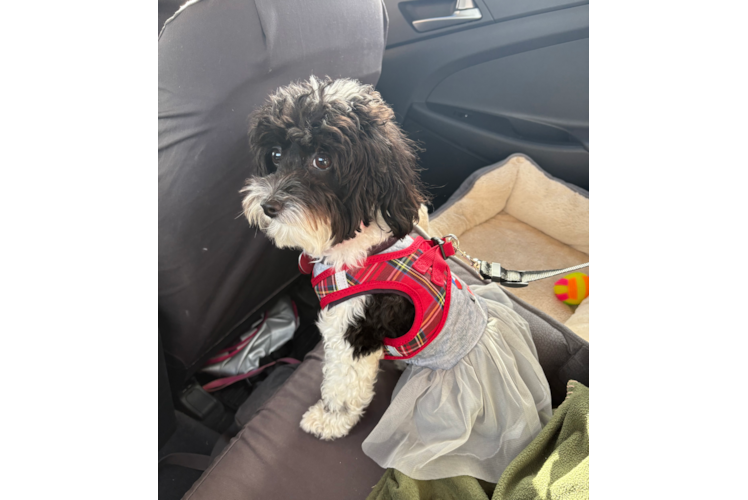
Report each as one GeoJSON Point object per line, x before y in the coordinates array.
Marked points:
{"type": "Point", "coordinates": [378, 164]}
{"type": "Point", "coordinates": [401, 196]}
{"type": "Point", "coordinates": [384, 172]}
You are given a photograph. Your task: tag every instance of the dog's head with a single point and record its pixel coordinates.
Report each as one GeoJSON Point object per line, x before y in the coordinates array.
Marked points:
{"type": "Point", "coordinates": [331, 162]}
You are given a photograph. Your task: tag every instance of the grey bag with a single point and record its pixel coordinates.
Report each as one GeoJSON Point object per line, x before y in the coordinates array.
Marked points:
{"type": "Point", "coordinates": [274, 329]}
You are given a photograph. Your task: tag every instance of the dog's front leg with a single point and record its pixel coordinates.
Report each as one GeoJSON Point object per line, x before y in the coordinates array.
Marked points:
{"type": "Point", "coordinates": [348, 382]}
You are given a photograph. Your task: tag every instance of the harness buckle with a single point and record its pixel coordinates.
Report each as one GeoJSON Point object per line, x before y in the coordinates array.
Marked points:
{"type": "Point", "coordinates": [441, 244]}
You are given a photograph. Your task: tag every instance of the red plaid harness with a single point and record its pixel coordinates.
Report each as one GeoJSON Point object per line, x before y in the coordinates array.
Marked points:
{"type": "Point", "coordinates": [420, 272]}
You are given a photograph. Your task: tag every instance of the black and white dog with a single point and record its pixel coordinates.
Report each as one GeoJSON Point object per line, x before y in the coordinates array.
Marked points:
{"type": "Point", "coordinates": [337, 179]}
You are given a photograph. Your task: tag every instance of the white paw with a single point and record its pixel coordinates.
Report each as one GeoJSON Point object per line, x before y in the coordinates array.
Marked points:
{"type": "Point", "coordinates": [327, 425]}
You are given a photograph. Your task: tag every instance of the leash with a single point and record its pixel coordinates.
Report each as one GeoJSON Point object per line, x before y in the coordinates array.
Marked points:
{"type": "Point", "coordinates": [511, 279]}
{"type": "Point", "coordinates": [494, 271]}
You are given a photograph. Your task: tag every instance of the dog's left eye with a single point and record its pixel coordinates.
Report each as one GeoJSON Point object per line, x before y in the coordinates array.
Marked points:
{"type": "Point", "coordinates": [321, 161]}
{"type": "Point", "coordinates": [275, 155]}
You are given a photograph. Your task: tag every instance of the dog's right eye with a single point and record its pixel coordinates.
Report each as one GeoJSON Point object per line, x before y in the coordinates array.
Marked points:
{"type": "Point", "coordinates": [275, 155]}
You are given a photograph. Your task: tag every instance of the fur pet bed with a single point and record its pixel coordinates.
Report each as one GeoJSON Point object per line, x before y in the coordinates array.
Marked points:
{"type": "Point", "coordinates": [515, 213]}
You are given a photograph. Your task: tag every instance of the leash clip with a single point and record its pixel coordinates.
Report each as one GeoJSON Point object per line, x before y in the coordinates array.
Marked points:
{"type": "Point", "coordinates": [494, 272]}
{"type": "Point", "coordinates": [476, 263]}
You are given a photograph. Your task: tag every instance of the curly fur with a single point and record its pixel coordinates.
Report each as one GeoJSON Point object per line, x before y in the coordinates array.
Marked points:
{"type": "Point", "coordinates": [387, 316]}
{"type": "Point", "coordinates": [370, 192]}
{"type": "Point", "coordinates": [373, 163]}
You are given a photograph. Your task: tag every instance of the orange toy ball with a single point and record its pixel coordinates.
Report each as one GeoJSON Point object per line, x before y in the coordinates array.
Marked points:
{"type": "Point", "coordinates": [573, 288]}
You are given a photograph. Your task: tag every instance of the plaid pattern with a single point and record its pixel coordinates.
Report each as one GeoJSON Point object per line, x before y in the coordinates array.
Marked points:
{"type": "Point", "coordinates": [330, 285]}
{"type": "Point", "coordinates": [398, 270]}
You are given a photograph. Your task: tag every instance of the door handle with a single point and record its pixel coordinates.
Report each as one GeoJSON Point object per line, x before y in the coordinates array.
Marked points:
{"type": "Point", "coordinates": [465, 12]}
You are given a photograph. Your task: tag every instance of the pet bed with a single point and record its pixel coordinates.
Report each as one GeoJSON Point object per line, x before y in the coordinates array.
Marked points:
{"type": "Point", "coordinates": [515, 213]}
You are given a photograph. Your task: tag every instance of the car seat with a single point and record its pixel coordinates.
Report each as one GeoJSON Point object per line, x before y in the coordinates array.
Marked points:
{"type": "Point", "coordinates": [218, 61]}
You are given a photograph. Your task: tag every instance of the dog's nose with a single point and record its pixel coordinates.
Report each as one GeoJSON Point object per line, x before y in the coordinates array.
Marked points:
{"type": "Point", "coordinates": [272, 208]}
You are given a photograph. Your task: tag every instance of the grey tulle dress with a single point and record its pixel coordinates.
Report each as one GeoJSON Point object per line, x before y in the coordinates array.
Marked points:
{"type": "Point", "coordinates": [471, 400]}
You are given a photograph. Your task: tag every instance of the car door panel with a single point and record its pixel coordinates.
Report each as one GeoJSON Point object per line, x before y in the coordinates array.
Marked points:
{"type": "Point", "coordinates": [473, 96]}
{"type": "Point", "coordinates": [402, 14]}
{"type": "Point", "coordinates": [502, 10]}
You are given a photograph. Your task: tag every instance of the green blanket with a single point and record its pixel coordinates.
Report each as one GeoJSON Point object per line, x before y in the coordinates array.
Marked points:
{"type": "Point", "coordinates": [555, 465]}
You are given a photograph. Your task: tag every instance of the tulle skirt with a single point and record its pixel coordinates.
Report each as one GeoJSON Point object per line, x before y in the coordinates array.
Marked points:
{"type": "Point", "coordinates": [474, 418]}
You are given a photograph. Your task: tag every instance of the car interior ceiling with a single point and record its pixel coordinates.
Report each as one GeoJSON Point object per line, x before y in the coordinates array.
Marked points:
{"type": "Point", "coordinates": [470, 95]}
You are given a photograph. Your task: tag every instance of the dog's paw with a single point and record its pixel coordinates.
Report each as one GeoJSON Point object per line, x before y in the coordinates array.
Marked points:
{"type": "Point", "coordinates": [327, 425]}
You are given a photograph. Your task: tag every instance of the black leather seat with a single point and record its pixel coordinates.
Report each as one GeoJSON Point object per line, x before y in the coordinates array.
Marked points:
{"type": "Point", "coordinates": [218, 61]}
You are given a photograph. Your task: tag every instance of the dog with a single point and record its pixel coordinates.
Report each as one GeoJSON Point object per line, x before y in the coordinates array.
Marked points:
{"type": "Point", "coordinates": [338, 179]}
